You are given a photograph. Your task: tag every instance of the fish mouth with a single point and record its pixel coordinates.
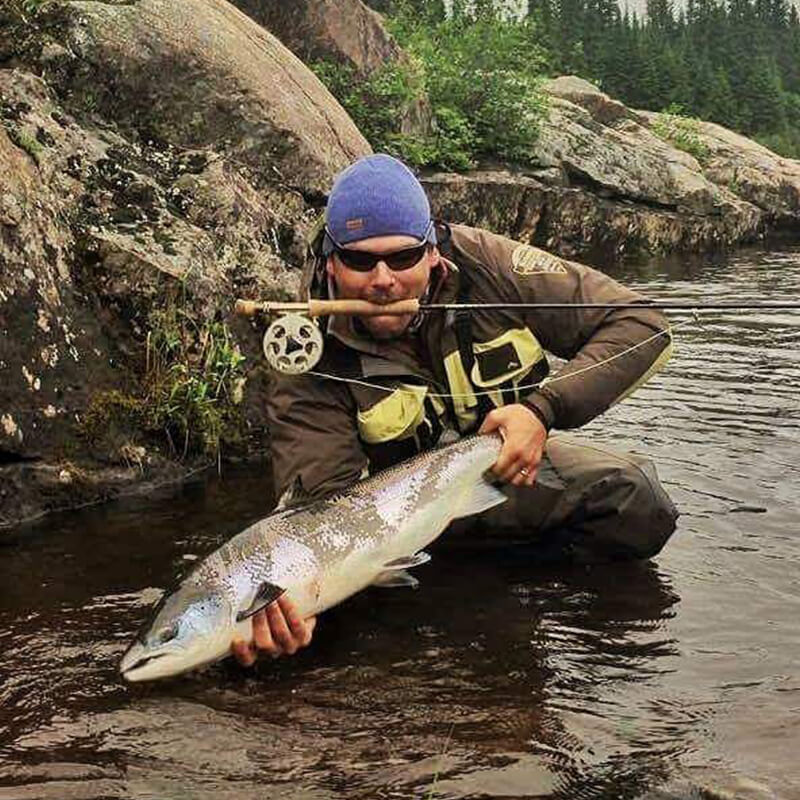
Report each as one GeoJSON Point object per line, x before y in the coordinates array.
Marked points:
{"type": "Point", "coordinates": [137, 664]}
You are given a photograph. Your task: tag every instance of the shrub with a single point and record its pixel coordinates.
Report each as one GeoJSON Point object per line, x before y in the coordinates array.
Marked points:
{"type": "Point", "coordinates": [681, 131]}
{"type": "Point", "coordinates": [480, 74]}
{"type": "Point", "coordinates": [485, 69]}
{"type": "Point", "coordinates": [193, 379]}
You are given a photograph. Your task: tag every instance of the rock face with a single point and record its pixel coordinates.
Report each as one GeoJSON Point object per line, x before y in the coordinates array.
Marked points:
{"type": "Point", "coordinates": [343, 31]}
{"type": "Point", "coordinates": [150, 153]}
{"type": "Point", "coordinates": [607, 184]}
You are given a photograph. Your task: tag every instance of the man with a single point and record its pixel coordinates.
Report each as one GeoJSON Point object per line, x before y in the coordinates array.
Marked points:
{"type": "Point", "coordinates": [394, 384]}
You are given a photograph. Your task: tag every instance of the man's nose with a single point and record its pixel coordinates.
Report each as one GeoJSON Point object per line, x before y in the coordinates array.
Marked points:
{"type": "Point", "coordinates": [382, 275]}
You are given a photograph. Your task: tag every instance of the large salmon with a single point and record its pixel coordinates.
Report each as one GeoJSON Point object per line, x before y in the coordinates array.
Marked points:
{"type": "Point", "coordinates": [318, 554]}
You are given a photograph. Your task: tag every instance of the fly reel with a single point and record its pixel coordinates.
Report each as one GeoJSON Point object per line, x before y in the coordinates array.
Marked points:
{"type": "Point", "coordinates": [293, 344]}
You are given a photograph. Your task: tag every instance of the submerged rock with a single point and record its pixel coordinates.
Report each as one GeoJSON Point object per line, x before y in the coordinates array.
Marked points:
{"type": "Point", "coordinates": [706, 783]}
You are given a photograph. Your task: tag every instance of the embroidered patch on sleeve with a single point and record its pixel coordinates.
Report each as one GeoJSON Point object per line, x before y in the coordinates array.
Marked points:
{"type": "Point", "coordinates": [527, 260]}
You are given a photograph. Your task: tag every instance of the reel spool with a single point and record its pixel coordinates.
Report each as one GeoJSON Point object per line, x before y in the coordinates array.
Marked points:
{"type": "Point", "coordinates": [293, 344]}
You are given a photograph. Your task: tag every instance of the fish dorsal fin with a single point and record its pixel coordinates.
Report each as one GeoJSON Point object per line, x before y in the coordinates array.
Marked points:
{"type": "Point", "coordinates": [395, 578]}
{"type": "Point", "coordinates": [407, 562]}
{"type": "Point", "coordinates": [479, 496]}
{"type": "Point", "coordinates": [267, 593]}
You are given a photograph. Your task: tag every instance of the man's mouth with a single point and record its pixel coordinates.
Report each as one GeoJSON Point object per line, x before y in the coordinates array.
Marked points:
{"type": "Point", "coordinates": [383, 300]}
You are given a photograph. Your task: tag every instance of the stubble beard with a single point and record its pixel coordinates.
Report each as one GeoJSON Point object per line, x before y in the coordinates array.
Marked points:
{"type": "Point", "coordinates": [396, 326]}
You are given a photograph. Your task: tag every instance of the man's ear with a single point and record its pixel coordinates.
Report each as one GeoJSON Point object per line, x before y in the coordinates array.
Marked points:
{"type": "Point", "coordinates": [329, 266]}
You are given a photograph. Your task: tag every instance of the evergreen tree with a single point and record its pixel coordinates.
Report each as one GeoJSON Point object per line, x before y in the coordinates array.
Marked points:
{"type": "Point", "coordinates": [722, 105]}
{"type": "Point", "coordinates": [762, 94]}
{"type": "Point", "coordinates": [661, 18]}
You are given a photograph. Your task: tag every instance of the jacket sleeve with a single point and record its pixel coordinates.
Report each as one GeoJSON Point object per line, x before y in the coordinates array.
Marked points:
{"type": "Point", "coordinates": [313, 434]}
{"type": "Point", "coordinates": [608, 352]}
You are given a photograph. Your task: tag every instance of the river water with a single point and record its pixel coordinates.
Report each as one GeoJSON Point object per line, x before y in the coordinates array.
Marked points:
{"type": "Point", "coordinates": [494, 679]}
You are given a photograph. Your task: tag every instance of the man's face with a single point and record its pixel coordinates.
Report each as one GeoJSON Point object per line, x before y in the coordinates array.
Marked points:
{"type": "Point", "coordinates": [382, 285]}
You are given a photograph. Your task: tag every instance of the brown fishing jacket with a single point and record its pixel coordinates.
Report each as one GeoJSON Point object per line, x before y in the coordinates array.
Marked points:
{"type": "Point", "coordinates": [452, 368]}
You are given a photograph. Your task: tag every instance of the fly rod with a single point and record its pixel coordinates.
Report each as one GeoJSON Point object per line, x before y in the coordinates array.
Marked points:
{"type": "Point", "coordinates": [293, 343]}
{"type": "Point", "coordinates": [324, 308]}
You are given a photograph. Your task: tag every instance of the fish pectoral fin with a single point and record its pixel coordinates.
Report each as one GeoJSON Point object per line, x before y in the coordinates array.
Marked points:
{"type": "Point", "coordinates": [265, 594]}
{"type": "Point", "coordinates": [479, 497]}
{"type": "Point", "coordinates": [394, 578]}
{"type": "Point", "coordinates": [407, 562]}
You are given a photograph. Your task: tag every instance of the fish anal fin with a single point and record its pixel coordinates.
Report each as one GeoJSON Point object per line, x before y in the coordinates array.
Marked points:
{"type": "Point", "coordinates": [395, 578]}
{"type": "Point", "coordinates": [267, 593]}
{"type": "Point", "coordinates": [407, 562]}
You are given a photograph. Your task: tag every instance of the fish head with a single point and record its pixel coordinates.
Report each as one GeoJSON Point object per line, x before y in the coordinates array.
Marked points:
{"type": "Point", "coordinates": [187, 629]}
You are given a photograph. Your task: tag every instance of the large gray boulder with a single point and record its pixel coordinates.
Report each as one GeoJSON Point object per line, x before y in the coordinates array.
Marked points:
{"type": "Point", "coordinates": [341, 30]}
{"type": "Point", "coordinates": [345, 32]}
{"type": "Point", "coordinates": [151, 153]}
{"type": "Point", "coordinates": [199, 73]}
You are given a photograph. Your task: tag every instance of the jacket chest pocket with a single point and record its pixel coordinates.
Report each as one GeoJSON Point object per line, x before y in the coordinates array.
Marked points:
{"type": "Point", "coordinates": [405, 422]}
{"type": "Point", "coordinates": [504, 370]}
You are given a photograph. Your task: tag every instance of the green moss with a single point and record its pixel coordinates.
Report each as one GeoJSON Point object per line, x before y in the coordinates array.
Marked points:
{"type": "Point", "coordinates": [27, 142]}
{"type": "Point", "coordinates": [681, 131]}
{"type": "Point", "coordinates": [112, 419]}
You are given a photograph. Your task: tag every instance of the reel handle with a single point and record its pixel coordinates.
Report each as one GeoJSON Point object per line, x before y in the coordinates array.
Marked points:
{"type": "Point", "coordinates": [324, 308]}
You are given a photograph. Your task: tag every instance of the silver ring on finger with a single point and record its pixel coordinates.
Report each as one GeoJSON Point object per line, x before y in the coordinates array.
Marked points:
{"type": "Point", "coordinates": [524, 471]}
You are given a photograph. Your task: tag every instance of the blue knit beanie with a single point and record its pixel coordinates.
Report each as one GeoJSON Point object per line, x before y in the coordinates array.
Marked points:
{"type": "Point", "coordinates": [377, 196]}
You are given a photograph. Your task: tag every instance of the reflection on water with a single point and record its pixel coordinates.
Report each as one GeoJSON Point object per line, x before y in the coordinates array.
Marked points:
{"type": "Point", "coordinates": [498, 678]}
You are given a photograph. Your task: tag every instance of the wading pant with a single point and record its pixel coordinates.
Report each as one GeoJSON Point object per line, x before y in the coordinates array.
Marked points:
{"type": "Point", "coordinates": [588, 504]}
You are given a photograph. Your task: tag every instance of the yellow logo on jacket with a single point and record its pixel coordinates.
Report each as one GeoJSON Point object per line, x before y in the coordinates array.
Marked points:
{"type": "Point", "coordinates": [527, 260]}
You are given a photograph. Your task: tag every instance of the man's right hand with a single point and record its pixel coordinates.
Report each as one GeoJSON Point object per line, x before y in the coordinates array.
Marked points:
{"type": "Point", "coordinates": [524, 438]}
{"type": "Point", "coordinates": [277, 630]}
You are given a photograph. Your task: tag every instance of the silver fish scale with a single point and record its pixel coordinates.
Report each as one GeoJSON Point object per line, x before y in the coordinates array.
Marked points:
{"type": "Point", "coordinates": [294, 543]}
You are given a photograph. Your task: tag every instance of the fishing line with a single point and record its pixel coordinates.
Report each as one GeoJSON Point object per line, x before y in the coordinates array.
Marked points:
{"type": "Point", "coordinates": [522, 387]}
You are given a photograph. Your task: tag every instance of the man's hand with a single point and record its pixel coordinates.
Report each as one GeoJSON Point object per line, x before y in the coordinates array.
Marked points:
{"type": "Point", "coordinates": [277, 630]}
{"type": "Point", "coordinates": [524, 438]}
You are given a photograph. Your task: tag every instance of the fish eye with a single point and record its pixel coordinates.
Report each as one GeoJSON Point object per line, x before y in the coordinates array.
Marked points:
{"type": "Point", "coordinates": [167, 634]}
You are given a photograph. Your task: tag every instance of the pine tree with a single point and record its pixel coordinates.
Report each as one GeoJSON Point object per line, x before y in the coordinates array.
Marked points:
{"type": "Point", "coordinates": [763, 95]}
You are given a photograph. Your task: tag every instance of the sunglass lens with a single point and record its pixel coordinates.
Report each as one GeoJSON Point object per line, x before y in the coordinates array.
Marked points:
{"type": "Point", "coordinates": [405, 259]}
{"type": "Point", "coordinates": [364, 262]}
{"type": "Point", "coordinates": [357, 260]}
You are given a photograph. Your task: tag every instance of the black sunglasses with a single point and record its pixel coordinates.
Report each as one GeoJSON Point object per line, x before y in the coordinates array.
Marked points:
{"type": "Point", "coordinates": [361, 261]}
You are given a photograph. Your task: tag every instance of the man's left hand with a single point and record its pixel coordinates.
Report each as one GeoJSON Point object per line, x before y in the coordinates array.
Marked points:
{"type": "Point", "coordinates": [524, 438]}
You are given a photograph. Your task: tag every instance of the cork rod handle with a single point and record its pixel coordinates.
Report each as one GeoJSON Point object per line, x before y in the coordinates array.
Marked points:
{"type": "Point", "coordinates": [324, 308]}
